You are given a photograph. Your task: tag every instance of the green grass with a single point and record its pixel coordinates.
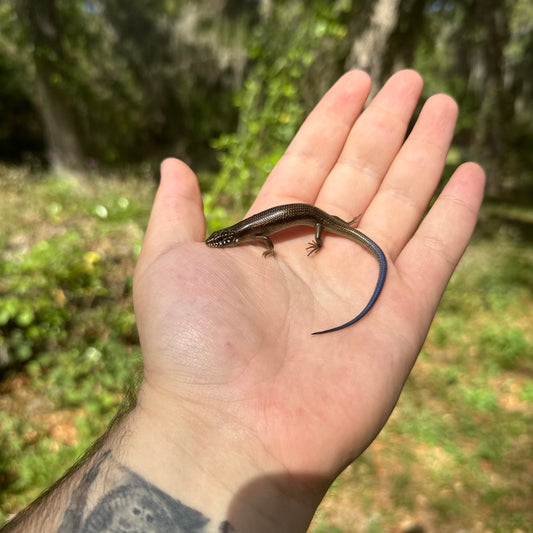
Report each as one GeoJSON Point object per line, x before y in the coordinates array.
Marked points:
{"type": "Point", "coordinates": [457, 453]}
{"type": "Point", "coordinates": [67, 252]}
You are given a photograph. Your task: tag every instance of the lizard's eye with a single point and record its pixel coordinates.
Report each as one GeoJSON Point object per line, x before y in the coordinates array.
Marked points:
{"type": "Point", "coordinates": [221, 238]}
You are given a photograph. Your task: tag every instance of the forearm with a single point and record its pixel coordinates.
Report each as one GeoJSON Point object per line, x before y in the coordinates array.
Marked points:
{"type": "Point", "coordinates": [151, 472]}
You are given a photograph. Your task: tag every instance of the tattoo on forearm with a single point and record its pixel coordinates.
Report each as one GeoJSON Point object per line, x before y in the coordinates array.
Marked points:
{"type": "Point", "coordinates": [132, 505]}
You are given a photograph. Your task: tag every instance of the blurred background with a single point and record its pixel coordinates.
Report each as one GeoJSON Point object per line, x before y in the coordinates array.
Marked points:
{"type": "Point", "coordinates": [93, 94]}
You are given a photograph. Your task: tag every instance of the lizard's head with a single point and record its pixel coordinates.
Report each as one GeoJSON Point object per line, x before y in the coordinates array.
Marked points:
{"type": "Point", "coordinates": [222, 238]}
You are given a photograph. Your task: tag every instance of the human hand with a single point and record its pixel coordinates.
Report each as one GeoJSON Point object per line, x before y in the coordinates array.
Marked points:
{"type": "Point", "coordinates": [226, 334]}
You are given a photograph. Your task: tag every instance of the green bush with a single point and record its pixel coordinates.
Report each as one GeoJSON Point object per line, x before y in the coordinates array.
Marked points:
{"type": "Point", "coordinates": [290, 72]}
{"type": "Point", "coordinates": [41, 289]}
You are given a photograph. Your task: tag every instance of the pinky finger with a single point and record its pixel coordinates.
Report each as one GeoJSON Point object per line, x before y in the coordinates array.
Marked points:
{"type": "Point", "coordinates": [430, 257]}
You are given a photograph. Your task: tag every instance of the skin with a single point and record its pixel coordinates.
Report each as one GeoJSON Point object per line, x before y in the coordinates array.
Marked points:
{"type": "Point", "coordinates": [243, 415]}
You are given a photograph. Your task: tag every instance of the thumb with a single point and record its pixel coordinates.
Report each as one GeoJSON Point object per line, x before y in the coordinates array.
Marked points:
{"type": "Point", "coordinates": [177, 214]}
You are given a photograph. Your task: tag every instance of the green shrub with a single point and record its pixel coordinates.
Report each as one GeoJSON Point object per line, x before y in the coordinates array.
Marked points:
{"type": "Point", "coordinates": [41, 289]}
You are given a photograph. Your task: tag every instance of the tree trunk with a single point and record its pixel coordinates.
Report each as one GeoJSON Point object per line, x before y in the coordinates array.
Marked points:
{"type": "Point", "coordinates": [369, 47]}
{"type": "Point", "coordinates": [64, 144]}
{"type": "Point", "coordinates": [496, 110]}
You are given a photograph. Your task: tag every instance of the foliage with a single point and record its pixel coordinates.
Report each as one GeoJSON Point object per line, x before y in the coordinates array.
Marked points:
{"type": "Point", "coordinates": [67, 331]}
{"type": "Point", "coordinates": [181, 98]}
{"type": "Point", "coordinates": [289, 72]}
{"type": "Point", "coordinates": [117, 98]}
{"type": "Point", "coordinates": [40, 291]}
{"type": "Point", "coordinates": [479, 53]}
{"type": "Point", "coordinates": [114, 96]}
{"type": "Point", "coordinates": [20, 129]}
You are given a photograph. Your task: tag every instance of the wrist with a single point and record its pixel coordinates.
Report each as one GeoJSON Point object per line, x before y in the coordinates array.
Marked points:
{"type": "Point", "coordinates": [212, 465]}
{"type": "Point", "coordinates": [162, 468]}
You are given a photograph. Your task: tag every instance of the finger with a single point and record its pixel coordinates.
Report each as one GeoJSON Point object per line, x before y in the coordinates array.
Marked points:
{"type": "Point", "coordinates": [412, 178]}
{"type": "Point", "coordinates": [431, 255]}
{"type": "Point", "coordinates": [372, 145]}
{"type": "Point", "coordinates": [177, 214]}
{"type": "Point", "coordinates": [301, 171]}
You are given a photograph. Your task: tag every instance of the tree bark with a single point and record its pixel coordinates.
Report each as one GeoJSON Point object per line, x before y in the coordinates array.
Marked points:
{"type": "Point", "coordinates": [496, 110]}
{"type": "Point", "coordinates": [64, 143]}
{"type": "Point", "coordinates": [369, 47]}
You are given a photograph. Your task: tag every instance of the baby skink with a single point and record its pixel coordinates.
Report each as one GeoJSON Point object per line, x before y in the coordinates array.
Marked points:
{"type": "Point", "coordinates": [258, 227]}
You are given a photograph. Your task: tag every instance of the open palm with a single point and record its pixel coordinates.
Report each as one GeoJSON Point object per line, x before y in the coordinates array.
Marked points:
{"type": "Point", "coordinates": [226, 334]}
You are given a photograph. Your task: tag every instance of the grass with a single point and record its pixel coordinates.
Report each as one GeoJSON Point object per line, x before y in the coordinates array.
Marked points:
{"type": "Point", "coordinates": [457, 453]}
{"type": "Point", "coordinates": [67, 331]}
